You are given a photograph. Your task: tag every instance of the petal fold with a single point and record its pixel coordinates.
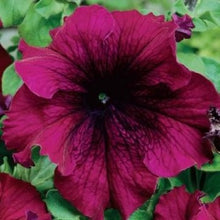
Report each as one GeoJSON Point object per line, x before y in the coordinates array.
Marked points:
{"type": "Point", "coordinates": [49, 129]}
{"type": "Point", "coordinates": [179, 205]}
{"type": "Point", "coordinates": [148, 46]}
{"type": "Point", "coordinates": [90, 193]}
{"type": "Point", "coordinates": [45, 72]}
{"type": "Point", "coordinates": [130, 182]}
{"type": "Point", "coordinates": [176, 148]}
{"type": "Point", "coordinates": [190, 104]}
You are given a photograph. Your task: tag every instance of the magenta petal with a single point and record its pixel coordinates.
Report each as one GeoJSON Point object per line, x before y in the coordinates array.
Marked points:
{"type": "Point", "coordinates": [90, 193]}
{"type": "Point", "coordinates": [179, 205]}
{"type": "Point", "coordinates": [95, 20]}
{"type": "Point", "coordinates": [5, 61]}
{"type": "Point", "coordinates": [144, 39]}
{"type": "Point", "coordinates": [120, 181]}
{"type": "Point", "coordinates": [185, 25]}
{"type": "Point", "coordinates": [18, 198]}
{"type": "Point", "coordinates": [176, 148]}
{"type": "Point", "coordinates": [44, 74]}
{"type": "Point", "coordinates": [130, 182]}
{"type": "Point", "coordinates": [190, 104]}
{"type": "Point", "coordinates": [47, 130]}
{"type": "Point", "coordinates": [83, 32]}
{"type": "Point", "coordinates": [173, 74]}
{"type": "Point", "coordinates": [30, 51]}
{"type": "Point", "coordinates": [56, 142]}
{"type": "Point", "coordinates": [166, 146]}
{"type": "Point", "coordinates": [183, 121]}
{"type": "Point", "coordinates": [23, 124]}
{"type": "Point", "coordinates": [54, 31]}
{"type": "Point", "coordinates": [213, 209]}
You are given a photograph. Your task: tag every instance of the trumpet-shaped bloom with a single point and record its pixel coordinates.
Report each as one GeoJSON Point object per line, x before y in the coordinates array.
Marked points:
{"type": "Point", "coordinates": [20, 200]}
{"type": "Point", "coordinates": [181, 205]}
{"type": "Point", "coordinates": [109, 103]}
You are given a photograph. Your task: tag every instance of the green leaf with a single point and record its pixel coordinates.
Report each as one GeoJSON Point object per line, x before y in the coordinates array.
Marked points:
{"type": "Point", "coordinates": [211, 186]}
{"type": "Point", "coordinates": [192, 61]}
{"type": "Point", "coordinates": [180, 7]}
{"type": "Point", "coordinates": [112, 214]}
{"type": "Point", "coordinates": [212, 71]}
{"type": "Point", "coordinates": [77, 2]}
{"type": "Point", "coordinates": [140, 214]}
{"type": "Point", "coordinates": [36, 32]}
{"type": "Point", "coordinates": [207, 13]}
{"type": "Point", "coordinates": [10, 81]}
{"type": "Point", "coordinates": [47, 8]}
{"type": "Point", "coordinates": [5, 153]}
{"type": "Point", "coordinates": [15, 40]}
{"type": "Point", "coordinates": [60, 208]}
{"type": "Point", "coordinates": [190, 178]}
{"type": "Point", "coordinates": [12, 12]}
{"type": "Point", "coordinates": [216, 16]}
{"type": "Point", "coordinates": [214, 166]}
{"type": "Point", "coordinates": [206, 44]}
{"type": "Point", "coordinates": [183, 47]}
{"type": "Point", "coordinates": [118, 5]}
{"type": "Point", "coordinates": [12, 48]}
{"type": "Point", "coordinates": [203, 6]}
{"type": "Point", "coordinates": [68, 10]}
{"type": "Point", "coordinates": [202, 25]}
{"type": "Point", "coordinates": [5, 167]}
{"type": "Point", "coordinates": [146, 211]}
{"type": "Point", "coordinates": [40, 175]}
{"type": "Point", "coordinates": [194, 179]}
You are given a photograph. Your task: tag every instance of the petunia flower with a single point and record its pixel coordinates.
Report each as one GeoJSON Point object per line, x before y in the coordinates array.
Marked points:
{"type": "Point", "coordinates": [5, 61]}
{"type": "Point", "coordinates": [108, 102]}
{"type": "Point", "coordinates": [178, 204]}
{"type": "Point", "coordinates": [20, 200]}
{"type": "Point", "coordinates": [185, 25]}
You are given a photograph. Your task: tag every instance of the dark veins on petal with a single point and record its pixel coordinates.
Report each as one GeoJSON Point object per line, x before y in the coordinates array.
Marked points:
{"type": "Point", "coordinates": [111, 81]}
{"type": "Point", "coordinates": [112, 93]}
{"type": "Point", "coordinates": [122, 92]}
{"type": "Point", "coordinates": [31, 216]}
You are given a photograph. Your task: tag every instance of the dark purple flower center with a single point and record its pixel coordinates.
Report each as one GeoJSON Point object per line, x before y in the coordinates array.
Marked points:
{"type": "Point", "coordinates": [108, 91]}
